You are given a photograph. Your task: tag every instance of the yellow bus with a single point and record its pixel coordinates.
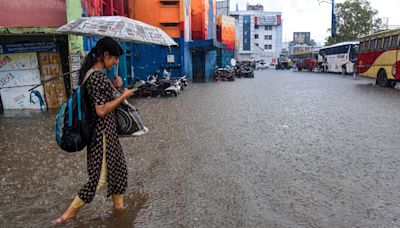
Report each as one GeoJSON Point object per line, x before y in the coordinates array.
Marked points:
{"type": "Point", "coordinates": [379, 57]}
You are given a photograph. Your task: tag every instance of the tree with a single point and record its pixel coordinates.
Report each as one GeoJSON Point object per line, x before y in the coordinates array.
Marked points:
{"type": "Point", "coordinates": [354, 18]}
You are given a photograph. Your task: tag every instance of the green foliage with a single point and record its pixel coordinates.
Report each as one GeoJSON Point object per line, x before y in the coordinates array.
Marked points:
{"type": "Point", "coordinates": [355, 18]}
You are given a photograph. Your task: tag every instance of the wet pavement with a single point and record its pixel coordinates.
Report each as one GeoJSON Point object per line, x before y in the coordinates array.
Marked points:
{"type": "Point", "coordinates": [286, 149]}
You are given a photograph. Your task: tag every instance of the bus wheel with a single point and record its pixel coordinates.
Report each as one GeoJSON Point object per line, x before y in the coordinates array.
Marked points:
{"type": "Point", "coordinates": [382, 79]}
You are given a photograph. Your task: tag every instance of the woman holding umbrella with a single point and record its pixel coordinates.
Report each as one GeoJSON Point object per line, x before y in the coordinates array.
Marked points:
{"type": "Point", "coordinates": [106, 163]}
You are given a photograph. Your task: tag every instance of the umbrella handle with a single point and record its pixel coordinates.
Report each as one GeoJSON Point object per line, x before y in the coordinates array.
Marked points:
{"type": "Point", "coordinates": [116, 72]}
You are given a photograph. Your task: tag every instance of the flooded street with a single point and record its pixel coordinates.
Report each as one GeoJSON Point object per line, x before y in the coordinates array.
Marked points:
{"type": "Point", "coordinates": [285, 149]}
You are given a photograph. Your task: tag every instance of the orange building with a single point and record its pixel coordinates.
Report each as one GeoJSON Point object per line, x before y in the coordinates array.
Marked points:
{"type": "Point", "coordinates": [168, 15]}
{"type": "Point", "coordinates": [203, 19]}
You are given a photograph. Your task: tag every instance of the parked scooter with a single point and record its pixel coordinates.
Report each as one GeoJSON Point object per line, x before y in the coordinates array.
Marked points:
{"type": "Point", "coordinates": [245, 71]}
{"type": "Point", "coordinates": [224, 74]}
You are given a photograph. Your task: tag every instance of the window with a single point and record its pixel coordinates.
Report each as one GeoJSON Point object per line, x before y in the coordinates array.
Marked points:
{"type": "Point", "coordinates": [169, 25]}
{"type": "Point", "coordinates": [268, 27]}
{"type": "Point", "coordinates": [268, 37]}
{"type": "Point", "coordinates": [169, 3]}
{"type": "Point", "coordinates": [379, 44]}
{"type": "Point", "coordinates": [255, 36]}
{"type": "Point", "coordinates": [395, 40]}
{"type": "Point", "coordinates": [366, 45]}
{"type": "Point", "coordinates": [386, 43]}
{"type": "Point", "coordinates": [362, 46]}
{"type": "Point", "coordinates": [256, 26]}
{"type": "Point", "coordinates": [268, 47]}
{"type": "Point", "coordinates": [372, 45]}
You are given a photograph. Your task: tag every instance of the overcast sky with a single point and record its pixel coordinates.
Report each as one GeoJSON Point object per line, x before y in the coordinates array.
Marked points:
{"type": "Point", "coordinates": [309, 16]}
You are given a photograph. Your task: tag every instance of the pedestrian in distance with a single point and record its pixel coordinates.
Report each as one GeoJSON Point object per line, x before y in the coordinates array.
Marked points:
{"type": "Point", "coordinates": [106, 165]}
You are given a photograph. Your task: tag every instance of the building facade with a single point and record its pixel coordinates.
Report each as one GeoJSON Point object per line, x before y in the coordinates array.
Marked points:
{"type": "Point", "coordinates": [258, 34]}
{"type": "Point", "coordinates": [31, 52]}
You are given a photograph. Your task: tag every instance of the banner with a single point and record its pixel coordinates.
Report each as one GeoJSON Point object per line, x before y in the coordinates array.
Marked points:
{"type": "Point", "coordinates": [20, 61]}
{"type": "Point", "coordinates": [301, 38]}
{"type": "Point", "coordinates": [19, 78]}
{"type": "Point", "coordinates": [21, 98]}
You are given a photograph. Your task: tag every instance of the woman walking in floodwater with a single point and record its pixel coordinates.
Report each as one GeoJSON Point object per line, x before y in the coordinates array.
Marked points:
{"type": "Point", "coordinates": [106, 163]}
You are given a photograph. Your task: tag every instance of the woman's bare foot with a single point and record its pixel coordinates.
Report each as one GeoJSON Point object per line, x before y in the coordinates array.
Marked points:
{"type": "Point", "coordinates": [119, 207]}
{"type": "Point", "coordinates": [68, 215]}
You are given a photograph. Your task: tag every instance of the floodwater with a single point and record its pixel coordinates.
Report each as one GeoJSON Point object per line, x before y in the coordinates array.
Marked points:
{"type": "Point", "coordinates": [285, 149]}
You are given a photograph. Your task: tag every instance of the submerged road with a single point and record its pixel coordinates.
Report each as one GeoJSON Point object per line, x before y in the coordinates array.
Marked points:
{"type": "Point", "coordinates": [285, 149]}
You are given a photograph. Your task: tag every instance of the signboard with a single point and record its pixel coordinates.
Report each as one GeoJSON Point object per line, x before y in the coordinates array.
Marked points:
{"type": "Point", "coordinates": [21, 98]}
{"type": "Point", "coordinates": [20, 71]}
{"type": "Point", "coordinates": [170, 58]}
{"type": "Point", "coordinates": [19, 78]}
{"type": "Point", "coordinates": [12, 62]}
{"type": "Point", "coordinates": [246, 33]}
{"type": "Point", "coordinates": [301, 38]}
{"type": "Point", "coordinates": [28, 47]}
{"type": "Point", "coordinates": [268, 20]}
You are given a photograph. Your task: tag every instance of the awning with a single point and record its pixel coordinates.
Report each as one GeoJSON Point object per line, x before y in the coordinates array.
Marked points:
{"type": "Point", "coordinates": [206, 44]}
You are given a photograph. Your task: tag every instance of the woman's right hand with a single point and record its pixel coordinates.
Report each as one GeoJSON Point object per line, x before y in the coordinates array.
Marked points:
{"type": "Point", "coordinates": [128, 92]}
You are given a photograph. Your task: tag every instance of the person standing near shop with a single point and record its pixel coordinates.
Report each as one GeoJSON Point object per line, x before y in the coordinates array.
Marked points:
{"type": "Point", "coordinates": [106, 163]}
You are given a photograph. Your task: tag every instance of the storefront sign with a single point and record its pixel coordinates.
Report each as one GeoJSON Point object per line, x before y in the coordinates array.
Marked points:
{"type": "Point", "coordinates": [28, 47]}
{"type": "Point", "coordinates": [268, 20]}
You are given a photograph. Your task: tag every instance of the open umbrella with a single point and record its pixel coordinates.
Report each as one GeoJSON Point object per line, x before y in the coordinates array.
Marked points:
{"type": "Point", "coordinates": [118, 27]}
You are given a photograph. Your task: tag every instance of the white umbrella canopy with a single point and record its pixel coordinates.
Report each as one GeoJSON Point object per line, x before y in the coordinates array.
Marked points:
{"type": "Point", "coordinates": [118, 27]}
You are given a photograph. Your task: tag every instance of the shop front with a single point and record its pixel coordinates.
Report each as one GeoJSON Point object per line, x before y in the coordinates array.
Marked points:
{"type": "Point", "coordinates": [25, 62]}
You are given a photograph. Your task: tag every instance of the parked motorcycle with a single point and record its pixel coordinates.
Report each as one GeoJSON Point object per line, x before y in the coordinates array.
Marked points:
{"type": "Point", "coordinates": [224, 74]}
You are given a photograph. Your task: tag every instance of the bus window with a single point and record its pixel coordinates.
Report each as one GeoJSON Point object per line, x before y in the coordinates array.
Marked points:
{"type": "Point", "coordinates": [366, 45]}
{"type": "Point", "coordinates": [372, 45]}
{"type": "Point", "coordinates": [386, 43]}
{"type": "Point", "coordinates": [362, 46]}
{"type": "Point", "coordinates": [353, 53]}
{"type": "Point", "coordinates": [395, 40]}
{"type": "Point", "coordinates": [379, 44]}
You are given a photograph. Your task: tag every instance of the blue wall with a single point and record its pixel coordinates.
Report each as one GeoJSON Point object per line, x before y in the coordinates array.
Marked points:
{"type": "Point", "coordinates": [210, 64]}
{"type": "Point", "coordinates": [227, 55]}
{"type": "Point", "coordinates": [187, 63]}
{"type": "Point", "coordinates": [147, 58]}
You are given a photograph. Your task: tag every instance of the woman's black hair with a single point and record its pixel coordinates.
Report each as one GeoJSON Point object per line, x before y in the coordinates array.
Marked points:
{"type": "Point", "coordinates": [104, 44]}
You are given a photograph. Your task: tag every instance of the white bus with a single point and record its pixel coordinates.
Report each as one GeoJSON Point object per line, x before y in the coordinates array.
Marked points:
{"type": "Point", "coordinates": [339, 58]}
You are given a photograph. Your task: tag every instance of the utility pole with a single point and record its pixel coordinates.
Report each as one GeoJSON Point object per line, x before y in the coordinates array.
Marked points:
{"type": "Point", "coordinates": [333, 19]}
{"type": "Point", "coordinates": [333, 22]}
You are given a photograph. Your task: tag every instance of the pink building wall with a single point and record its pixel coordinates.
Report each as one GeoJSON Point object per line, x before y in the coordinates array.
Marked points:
{"type": "Point", "coordinates": [32, 13]}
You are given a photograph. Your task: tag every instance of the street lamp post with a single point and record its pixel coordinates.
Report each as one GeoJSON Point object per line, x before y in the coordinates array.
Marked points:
{"type": "Point", "coordinates": [333, 28]}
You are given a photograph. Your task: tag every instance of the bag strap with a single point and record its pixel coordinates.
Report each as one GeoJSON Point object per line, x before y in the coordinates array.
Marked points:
{"type": "Point", "coordinates": [58, 130]}
{"type": "Point", "coordinates": [78, 92]}
{"type": "Point", "coordinates": [88, 73]}
{"type": "Point", "coordinates": [70, 111]}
